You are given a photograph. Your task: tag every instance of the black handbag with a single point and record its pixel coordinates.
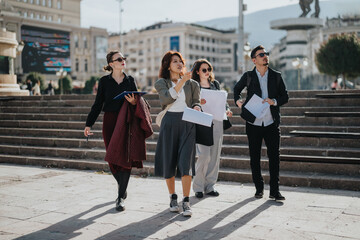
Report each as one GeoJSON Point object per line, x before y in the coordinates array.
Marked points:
{"type": "Point", "coordinates": [204, 135]}
{"type": "Point", "coordinates": [226, 124]}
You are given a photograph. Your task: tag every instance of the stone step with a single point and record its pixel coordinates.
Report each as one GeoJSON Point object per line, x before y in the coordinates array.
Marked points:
{"type": "Point", "coordinates": [285, 111]}
{"type": "Point", "coordinates": [333, 114]}
{"type": "Point", "coordinates": [79, 133]}
{"type": "Point", "coordinates": [72, 145]}
{"type": "Point", "coordinates": [237, 140]}
{"type": "Point", "coordinates": [295, 102]}
{"type": "Point", "coordinates": [338, 95]}
{"type": "Point", "coordinates": [320, 134]}
{"type": "Point", "coordinates": [46, 117]}
{"type": "Point", "coordinates": [329, 165]}
{"type": "Point", "coordinates": [287, 178]}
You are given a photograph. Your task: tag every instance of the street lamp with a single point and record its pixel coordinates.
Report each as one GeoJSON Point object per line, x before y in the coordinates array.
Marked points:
{"type": "Point", "coordinates": [299, 64]}
{"type": "Point", "coordinates": [61, 74]}
{"type": "Point", "coordinates": [120, 24]}
{"type": "Point", "coordinates": [247, 51]}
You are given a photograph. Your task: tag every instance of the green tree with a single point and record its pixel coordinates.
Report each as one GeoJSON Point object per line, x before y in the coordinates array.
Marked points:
{"type": "Point", "coordinates": [340, 55]}
{"type": "Point", "coordinates": [34, 77]}
{"type": "Point", "coordinates": [66, 83]}
{"type": "Point", "coordinates": [89, 84]}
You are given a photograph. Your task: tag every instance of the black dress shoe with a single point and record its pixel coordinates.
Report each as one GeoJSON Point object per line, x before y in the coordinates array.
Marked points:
{"type": "Point", "coordinates": [120, 205]}
{"type": "Point", "coordinates": [259, 193]}
{"type": "Point", "coordinates": [213, 193]}
{"type": "Point", "coordinates": [277, 196]}
{"type": "Point", "coordinates": [199, 195]}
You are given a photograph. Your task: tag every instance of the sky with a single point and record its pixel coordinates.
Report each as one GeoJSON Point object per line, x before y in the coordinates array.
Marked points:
{"type": "Point", "coordinates": [141, 13]}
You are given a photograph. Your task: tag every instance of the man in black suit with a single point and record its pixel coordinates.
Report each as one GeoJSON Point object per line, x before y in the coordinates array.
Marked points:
{"type": "Point", "coordinates": [268, 85]}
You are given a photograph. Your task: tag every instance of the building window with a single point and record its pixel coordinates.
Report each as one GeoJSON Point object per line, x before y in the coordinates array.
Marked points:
{"type": "Point", "coordinates": [31, 15]}
{"type": "Point", "coordinates": [44, 17]}
{"type": "Point", "coordinates": [85, 42]}
{"type": "Point", "coordinates": [49, 3]}
{"type": "Point", "coordinates": [31, 1]}
{"type": "Point", "coordinates": [25, 14]}
{"type": "Point", "coordinates": [25, 0]}
{"type": "Point", "coordinates": [76, 39]}
{"type": "Point", "coordinates": [38, 2]}
{"type": "Point", "coordinates": [44, 2]}
{"type": "Point", "coordinates": [86, 65]}
{"type": "Point", "coordinates": [76, 65]}
{"type": "Point", "coordinates": [59, 19]}
{"type": "Point", "coordinates": [50, 18]}
{"type": "Point", "coordinates": [37, 16]}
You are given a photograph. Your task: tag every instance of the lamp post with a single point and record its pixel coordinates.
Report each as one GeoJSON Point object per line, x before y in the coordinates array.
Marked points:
{"type": "Point", "coordinates": [299, 64]}
{"type": "Point", "coordinates": [120, 24]}
{"type": "Point", "coordinates": [247, 51]}
{"type": "Point", "coordinates": [61, 73]}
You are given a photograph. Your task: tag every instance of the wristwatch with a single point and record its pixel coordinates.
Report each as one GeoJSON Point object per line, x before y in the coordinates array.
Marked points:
{"type": "Point", "coordinates": [275, 102]}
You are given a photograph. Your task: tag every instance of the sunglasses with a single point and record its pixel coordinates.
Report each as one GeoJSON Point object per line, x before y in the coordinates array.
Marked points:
{"type": "Point", "coordinates": [119, 59]}
{"type": "Point", "coordinates": [204, 70]}
{"type": "Point", "coordinates": [263, 54]}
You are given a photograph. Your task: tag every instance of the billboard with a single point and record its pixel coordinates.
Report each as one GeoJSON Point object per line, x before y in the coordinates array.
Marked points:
{"type": "Point", "coordinates": [45, 50]}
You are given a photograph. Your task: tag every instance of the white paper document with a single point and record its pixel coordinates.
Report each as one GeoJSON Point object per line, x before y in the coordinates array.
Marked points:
{"type": "Point", "coordinates": [256, 107]}
{"type": "Point", "coordinates": [197, 117]}
{"type": "Point", "coordinates": [215, 103]}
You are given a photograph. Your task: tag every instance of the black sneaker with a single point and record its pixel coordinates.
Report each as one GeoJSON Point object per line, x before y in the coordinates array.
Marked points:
{"type": "Point", "coordinates": [199, 195]}
{"type": "Point", "coordinates": [259, 193]}
{"type": "Point", "coordinates": [213, 193]}
{"type": "Point", "coordinates": [174, 206]}
{"type": "Point", "coordinates": [277, 196]}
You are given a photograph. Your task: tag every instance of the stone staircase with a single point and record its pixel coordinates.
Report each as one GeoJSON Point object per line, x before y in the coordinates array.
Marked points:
{"type": "Point", "coordinates": [320, 145]}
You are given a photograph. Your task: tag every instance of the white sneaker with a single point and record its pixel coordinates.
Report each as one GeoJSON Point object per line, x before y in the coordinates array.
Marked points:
{"type": "Point", "coordinates": [186, 209]}
{"type": "Point", "coordinates": [174, 206]}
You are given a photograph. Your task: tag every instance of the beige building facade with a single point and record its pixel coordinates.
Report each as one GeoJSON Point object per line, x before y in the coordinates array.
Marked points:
{"type": "Point", "coordinates": [54, 38]}
{"type": "Point", "coordinates": [146, 47]}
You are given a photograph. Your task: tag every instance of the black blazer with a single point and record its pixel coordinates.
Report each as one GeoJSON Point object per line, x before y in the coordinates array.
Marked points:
{"type": "Point", "coordinates": [276, 89]}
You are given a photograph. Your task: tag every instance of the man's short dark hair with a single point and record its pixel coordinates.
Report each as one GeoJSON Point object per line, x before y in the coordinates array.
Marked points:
{"type": "Point", "coordinates": [253, 52]}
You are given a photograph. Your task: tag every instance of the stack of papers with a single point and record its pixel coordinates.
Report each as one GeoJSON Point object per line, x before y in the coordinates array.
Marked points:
{"type": "Point", "coordinates": [256, 106]}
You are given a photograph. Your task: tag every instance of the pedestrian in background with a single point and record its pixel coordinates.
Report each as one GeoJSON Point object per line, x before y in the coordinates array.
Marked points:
{"type": "Point", "coordinates": [36, 88]}
{"type": "Point", "coordinates": [50, 89]}
{"type": "Point", "coordinates": [269, 85]}
{"type": "Point", "coordinates": [175, 150]}
{"type": "Point", "coordinates": [122, 137]}
{"type": "Point", "coordinates": [29, 86]}
{"type": "Point", "coordinates": [207, 163]}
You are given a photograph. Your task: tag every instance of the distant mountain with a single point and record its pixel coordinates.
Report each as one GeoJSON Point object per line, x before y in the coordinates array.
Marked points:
{"type": "Point", "coordinates": [258, 24]}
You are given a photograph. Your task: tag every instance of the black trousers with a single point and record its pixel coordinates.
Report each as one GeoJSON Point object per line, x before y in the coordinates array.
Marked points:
{"type": "Point", "coordinates": [271, 136]}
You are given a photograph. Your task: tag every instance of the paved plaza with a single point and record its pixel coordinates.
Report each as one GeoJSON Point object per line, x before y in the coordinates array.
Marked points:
{"type": "Point", "coordinates": [46, 203]}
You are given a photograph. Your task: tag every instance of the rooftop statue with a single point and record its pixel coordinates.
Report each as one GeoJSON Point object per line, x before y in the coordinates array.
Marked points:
{"type": "Point", "coordinates": [305, 7]}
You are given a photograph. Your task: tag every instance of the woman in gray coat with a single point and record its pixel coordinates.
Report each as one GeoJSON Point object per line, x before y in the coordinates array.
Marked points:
{"type": "Point", "coordinates": [175, 150]}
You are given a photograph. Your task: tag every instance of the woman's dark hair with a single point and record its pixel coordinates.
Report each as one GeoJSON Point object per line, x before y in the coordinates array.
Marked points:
{"type": "Point", "coordinates": [109, 60]}
{"type": "Point", "coordinates": [165, 64]}
{"type": "Point", "coordinates": [253, 52]}
{"type": "Point", "coordinates": [196, 68]}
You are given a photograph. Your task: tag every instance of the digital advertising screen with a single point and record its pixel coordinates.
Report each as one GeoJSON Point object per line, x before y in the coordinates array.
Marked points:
{"type": "Point", "coordinates": [45, 50]}
{"type": "Point", "coordinates": [175, 43]}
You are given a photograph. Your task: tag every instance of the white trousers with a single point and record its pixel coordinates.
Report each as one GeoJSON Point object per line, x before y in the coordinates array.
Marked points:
{"type": "Point", "coordinates": [207, 164]}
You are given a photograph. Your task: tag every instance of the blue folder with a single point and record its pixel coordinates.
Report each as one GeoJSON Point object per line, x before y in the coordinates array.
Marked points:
{"type": "Point", "coordinates": [123, 94]}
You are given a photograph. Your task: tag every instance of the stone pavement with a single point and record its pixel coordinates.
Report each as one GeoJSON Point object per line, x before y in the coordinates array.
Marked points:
{"type": "Point", "coordinates": [44, 203]}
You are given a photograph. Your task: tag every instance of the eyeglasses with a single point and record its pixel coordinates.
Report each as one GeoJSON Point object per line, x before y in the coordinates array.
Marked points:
{"type": "Point", "coordinates": [119, 59]}
{"type": "Point", "coordinates": [204, 70]}
{"type": "Point", "coordinates": [263, 54]}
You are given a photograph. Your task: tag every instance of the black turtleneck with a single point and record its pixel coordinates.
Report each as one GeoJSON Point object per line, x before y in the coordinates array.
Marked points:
{"type": "Point", "coordinates": [107, 90]}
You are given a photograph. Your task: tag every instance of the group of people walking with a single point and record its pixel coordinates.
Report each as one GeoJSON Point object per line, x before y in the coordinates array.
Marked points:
{"type": "Point", "coordinates": [127, 123]}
